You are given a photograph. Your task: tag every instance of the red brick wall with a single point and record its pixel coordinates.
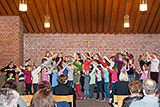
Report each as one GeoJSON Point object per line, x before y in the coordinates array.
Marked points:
{"type": "Point", "coordinates": [11, 40]}
{"type": "Point", "coordinates": [35, 45]}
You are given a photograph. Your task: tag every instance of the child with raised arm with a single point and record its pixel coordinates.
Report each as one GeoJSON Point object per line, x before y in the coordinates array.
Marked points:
{"type": "Point", "coordinates": [35, 73]}
{"type": "Point", "coordinates": [113, 72]}
{"type": "Point", "coordinates": [28, 80]}
{"type": "Point", "coordinates": [45, 74]}
{"type": "Point", "coordinates": [92, 82]}
{"type": "Point", "coordinates": [144, 72]}
{"type": "Point", "coordinates": [76, 81]}
{"type": "Point", "coordinates": [106, 81]}
{"type": "Point", "coordinates": [70, 69]}
{"type": "Point", "coordinates": [86, 85]}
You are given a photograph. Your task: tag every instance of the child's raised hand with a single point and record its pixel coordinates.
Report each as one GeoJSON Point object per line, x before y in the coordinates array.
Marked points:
{"type": "Point", "coordinates": [20, 67]}
{"type": "Point", "coordinates": [51, 53]}
{"type": "Point", "coordinates": [60, 59]}
{"type": "Point", "coordinates": [26, 63]}
{"type": "Point", "coordinates": [147, 53]}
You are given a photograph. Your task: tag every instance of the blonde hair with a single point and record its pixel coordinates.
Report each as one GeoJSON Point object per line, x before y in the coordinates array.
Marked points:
{"type": "Point", "coordinates": [123, 76]}
{"type": "Point", "coordinates": [45, 55]}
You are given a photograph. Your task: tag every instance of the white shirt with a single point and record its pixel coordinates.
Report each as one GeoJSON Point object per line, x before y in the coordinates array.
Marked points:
{"type": "Point", "coordinates": [154, 65]}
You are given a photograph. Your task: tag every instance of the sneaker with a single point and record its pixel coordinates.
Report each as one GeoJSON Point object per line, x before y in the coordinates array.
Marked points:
{"type": "Point", "coordinates": [97, 99]}
{"type": "Point", "coordinates": [81, 98]}
{"type": "Point", "coordinates": [102, 99]}
{"type": "Point", "coordinates": [84, 98]}
{"type": "Point", "coordinates": [106, 98]}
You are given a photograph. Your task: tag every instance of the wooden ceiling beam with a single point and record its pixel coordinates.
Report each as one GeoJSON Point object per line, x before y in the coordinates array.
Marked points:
{"type": "Point", "coordinates": [80, 8]}
{"type": "Point", "coordinates": [158, 29]}
{"type": "Point", "coordinates": [137, 22]}
{"type": "Point", "coordinates": [145, 16]}
{"type": "Point", "coordinates": [101, 8]}
{"type": "Point", "coordinates": [107, 17]}
{"type": "Point", "coordinates": [74, 15]}
{"type": "Point", "coordinates": [55, 17]}
{"type": "Point", "coordinates": [25, 18]}
{"type": "Point", "coordinates": [132, 15]}
{"type": "Point", "coordinates": [41, 13]}
{"type": "Point", "coordinates": [16, 12]}
{"type": "Point", "coordinates": [115, 8]}
{"type": "Point", "coordinates": [61, 15]}
{"type": "Point", "coordinates": [120, 16]}
{"type": "Point", "coordinates": [156, 21]}
{"type": "Point", "coordinates": [7, 8]}
{"type": "Point", "coordinates": [152, 16]}
{"type": "Point", "coordinates": [67, 15]}
{"type": "Point", "coordinates": [94, 17]}
{"type": "Point", "coordinates": [25, 30]}
{"type": "Point", "coordinates": [32, 18]}
{"type": "Point", "coordinates": [39, 23]}
{"type": "Point", "coordinates": [87, 11]}
{"type": "Point", "coordinates": [3, 11]}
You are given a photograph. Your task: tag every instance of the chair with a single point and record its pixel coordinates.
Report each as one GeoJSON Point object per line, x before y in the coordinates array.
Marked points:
{"type": "Point", "coordinates": [119, 99]}
{"type": "Point", "coordinates": [27, 98]}
{"type": "Point", "coordinates": [67, 98]}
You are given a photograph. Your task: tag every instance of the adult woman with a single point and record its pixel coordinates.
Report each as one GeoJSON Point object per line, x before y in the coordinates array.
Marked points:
{"type": "Point", "coordinates": [121, 87]}
{"type": "Point", "coordinates": [63, 88]}
{"type": "Point", "coordinates": [135, 88]}
{"type": "Point", "coordinates": [43, 98]}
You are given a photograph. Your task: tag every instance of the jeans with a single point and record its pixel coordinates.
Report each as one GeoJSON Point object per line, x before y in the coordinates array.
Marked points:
{"type": "Point", "coordinates": [86, 92]}
{"type": "Point", "coordinates": [113, 84]}
{"type": "Point", "coordinates": [70, 83]}
{"type": "Point", "coordinates": [91, 91]}
{"type": "Point", "coordinates": [53, 90]}
{"type": "Point", "coordinates": [130, 77]}
{"type": "Point", "coordinates": [100, 88]}
{"type": "Point", "coordinates": [35, 88]}
{"type": "Point", "coordinates": [28, 88]}
{"type": "Point", "coordinates": [106, 88]}
{"type": "Point", "coordinates": [78, 90]}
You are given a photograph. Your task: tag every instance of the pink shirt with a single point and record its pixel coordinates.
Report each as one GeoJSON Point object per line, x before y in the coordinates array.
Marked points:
{"type": "Point", "coordinates": [114, 75]}
{"type": "Point", "coordinates": [144, 75]}
{"type": "Point", "coordinates": [45, 75]}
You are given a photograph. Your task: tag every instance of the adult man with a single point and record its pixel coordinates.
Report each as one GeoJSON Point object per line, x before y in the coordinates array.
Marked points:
{"type": "Point", "coordinates": [149, 90]}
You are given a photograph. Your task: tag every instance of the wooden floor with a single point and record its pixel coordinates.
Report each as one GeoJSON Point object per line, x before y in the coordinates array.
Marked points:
{"type": "Point", "coordinates": [89, 103]}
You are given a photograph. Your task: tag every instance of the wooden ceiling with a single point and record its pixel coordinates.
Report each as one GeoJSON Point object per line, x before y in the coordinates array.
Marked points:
{"type": "Point", "coordinates": [86, 16]}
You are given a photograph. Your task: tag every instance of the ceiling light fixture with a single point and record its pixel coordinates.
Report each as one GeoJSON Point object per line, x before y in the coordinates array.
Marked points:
{"type": "Point", "coordinates": [23, 5]}
{"type": "Point", "coordinates": [47, 18]}
{"type": "Point", "coordinates": [143, 5]}
{"type": "Point", "coordinates": [126, 18]}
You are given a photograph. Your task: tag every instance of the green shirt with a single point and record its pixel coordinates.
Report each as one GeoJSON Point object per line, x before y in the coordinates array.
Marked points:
{"type": "Point", "coordinates": [79, 67]}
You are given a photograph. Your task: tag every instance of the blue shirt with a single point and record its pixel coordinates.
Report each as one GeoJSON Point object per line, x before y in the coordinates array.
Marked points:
{"type": "Point", "coordinates": [54, 79]}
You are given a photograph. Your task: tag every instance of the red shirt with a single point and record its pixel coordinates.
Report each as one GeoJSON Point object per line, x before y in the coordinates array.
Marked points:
{"type": "Point", "coordinates": [86, 65]}
{"type": "Point", "coordinates": [28, 77]}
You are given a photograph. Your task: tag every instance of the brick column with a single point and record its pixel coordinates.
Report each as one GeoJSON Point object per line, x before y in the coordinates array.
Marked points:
{"type": "Point", "coordinates": [11, 40]}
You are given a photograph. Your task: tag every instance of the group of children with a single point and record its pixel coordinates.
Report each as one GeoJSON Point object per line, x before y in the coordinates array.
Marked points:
{"type": "Point", "coordinates": [85, 72]}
